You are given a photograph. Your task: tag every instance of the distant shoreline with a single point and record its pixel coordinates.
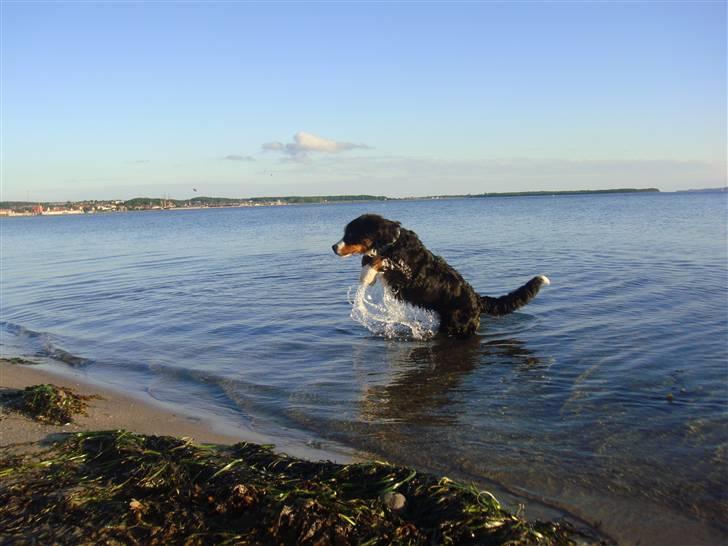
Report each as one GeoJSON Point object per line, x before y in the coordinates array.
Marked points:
{"type": "Point", "coordinates": [53, 208]}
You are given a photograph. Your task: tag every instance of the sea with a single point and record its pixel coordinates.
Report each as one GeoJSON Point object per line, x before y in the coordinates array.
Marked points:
{"type": "Point", "coordinates": [603, 401]}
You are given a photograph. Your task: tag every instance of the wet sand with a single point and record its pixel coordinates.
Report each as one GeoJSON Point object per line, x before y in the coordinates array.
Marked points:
{"type": "Point", "coordinates": [111, 411]}
{"type": "Point", "coordinates": [116, 410]}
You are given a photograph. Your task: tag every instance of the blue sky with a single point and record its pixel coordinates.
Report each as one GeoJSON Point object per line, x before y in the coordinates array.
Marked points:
{"type": "Point", "coordinates": [118, 100]}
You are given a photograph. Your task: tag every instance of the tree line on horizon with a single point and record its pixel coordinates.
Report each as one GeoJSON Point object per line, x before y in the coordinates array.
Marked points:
{"type": "Point", "coordinates": [138, 202]}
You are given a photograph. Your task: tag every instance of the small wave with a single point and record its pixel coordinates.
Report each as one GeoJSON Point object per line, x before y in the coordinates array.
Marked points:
{"type": "Point", "coordinates": [36, 343]}
{"type": "Point", "coordinates": [376, 308]}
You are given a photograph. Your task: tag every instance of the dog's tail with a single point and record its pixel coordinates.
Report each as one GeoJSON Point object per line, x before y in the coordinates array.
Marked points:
{"type": "Point", "coordinates": [513, 300]}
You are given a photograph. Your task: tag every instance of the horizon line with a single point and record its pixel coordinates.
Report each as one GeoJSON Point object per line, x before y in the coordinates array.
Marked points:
{"type": "Point", "coordinates": [371, 196]}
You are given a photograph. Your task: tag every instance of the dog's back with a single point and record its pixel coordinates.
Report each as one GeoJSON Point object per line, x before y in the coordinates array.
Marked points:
{"type": "Point", "coordinates": [416, 275]}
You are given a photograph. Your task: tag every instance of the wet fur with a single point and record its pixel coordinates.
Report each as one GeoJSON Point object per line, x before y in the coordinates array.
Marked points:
{"type": "Point", "coordinates": [416, 275]}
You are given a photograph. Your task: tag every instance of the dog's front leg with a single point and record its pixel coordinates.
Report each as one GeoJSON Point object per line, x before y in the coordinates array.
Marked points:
{"type": "Point", "coordinates": [371, 266]}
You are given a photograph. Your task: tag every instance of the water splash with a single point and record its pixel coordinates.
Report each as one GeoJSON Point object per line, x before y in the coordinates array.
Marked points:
{"type": "Point", "coordinates": [376, 308]}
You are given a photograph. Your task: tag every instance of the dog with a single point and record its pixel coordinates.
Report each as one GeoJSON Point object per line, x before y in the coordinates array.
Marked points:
{"type": "Point", "coordinates": [415, 275]}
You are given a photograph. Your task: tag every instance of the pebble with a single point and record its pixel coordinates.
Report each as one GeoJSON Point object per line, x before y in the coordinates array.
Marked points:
{"type": "Point", "coordinates": [394, 501]}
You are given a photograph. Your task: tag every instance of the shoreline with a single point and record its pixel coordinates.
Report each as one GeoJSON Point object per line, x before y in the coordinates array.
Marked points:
{"type": "Point", "coordinates": [145, 415]}
{"type": "Point", "coordinates": [113, 410]}
{"type": "Point", "coordinates": [118, 410]}
{"type": "Point", "coordinates": [119, 414]}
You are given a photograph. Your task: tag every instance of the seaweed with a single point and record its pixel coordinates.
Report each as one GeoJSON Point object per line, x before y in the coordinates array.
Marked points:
{"type": "Point", "coordinates": [118, 487]}
{"type": "Point", "coordinates": [48, 403]}
{"type": "Point", "coordinates": [18, 361]}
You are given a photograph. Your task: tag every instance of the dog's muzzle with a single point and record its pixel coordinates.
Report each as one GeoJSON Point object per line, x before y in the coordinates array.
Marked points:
{"type": "Point", "coordinates": [336, 247]}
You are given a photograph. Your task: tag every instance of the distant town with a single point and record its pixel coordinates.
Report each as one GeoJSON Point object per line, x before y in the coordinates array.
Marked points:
{"type": "Point", "coordinates": [29, 208]}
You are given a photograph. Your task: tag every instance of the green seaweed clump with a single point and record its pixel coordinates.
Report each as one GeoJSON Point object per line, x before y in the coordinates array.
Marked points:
{"type": "Point", "coordinates": [48, 403]}
{"type": "Point", "coordinates": [117, 487]}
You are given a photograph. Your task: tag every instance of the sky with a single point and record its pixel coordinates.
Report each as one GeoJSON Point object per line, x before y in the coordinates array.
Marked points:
{"type": "Point", "coordinates": [237, 99]}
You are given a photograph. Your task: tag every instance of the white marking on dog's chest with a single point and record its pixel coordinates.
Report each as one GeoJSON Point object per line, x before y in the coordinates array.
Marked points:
{"type": "Point", "coordinates": [368, 275]}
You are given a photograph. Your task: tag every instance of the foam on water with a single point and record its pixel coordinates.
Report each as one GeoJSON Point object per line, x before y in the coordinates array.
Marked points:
{"type": "Point", "coordinates": [376, 308]}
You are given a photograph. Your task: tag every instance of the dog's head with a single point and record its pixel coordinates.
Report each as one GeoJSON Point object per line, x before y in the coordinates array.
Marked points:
{"type": "Point", "coordinates": [368, 234]}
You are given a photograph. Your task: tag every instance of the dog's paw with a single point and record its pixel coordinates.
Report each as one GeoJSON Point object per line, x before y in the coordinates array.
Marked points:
{"type": "Point", "coordinates": [368, 275]}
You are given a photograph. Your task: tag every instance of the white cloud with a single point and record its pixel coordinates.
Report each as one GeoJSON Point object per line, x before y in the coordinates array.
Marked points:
{"type": "Point", "coordinates": [237, 157]}
{"type": "Point", "coordinates": [305, 143]}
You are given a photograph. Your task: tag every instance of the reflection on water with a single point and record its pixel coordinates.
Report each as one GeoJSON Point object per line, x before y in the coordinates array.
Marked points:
{"type": "Point", "coordinates": [421, 389]}
{"type": "Point", "coordinates": [429, 379]}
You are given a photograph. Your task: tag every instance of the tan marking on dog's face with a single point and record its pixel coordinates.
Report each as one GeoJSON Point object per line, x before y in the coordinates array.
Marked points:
{"type": "Point", "coordinates": [343, 249]}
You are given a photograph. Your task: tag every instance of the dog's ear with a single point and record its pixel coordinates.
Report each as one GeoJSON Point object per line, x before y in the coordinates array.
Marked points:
{"type": "Point", "coordinates": [386, 235]}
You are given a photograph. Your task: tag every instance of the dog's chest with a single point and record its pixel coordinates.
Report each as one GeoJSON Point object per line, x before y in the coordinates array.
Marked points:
{"type": "Point", "coordinates": [396, 273]}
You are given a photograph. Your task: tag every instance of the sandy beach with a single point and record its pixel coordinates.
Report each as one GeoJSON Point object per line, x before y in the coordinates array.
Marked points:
{"type": "Point", "coordinates": [111, 410]}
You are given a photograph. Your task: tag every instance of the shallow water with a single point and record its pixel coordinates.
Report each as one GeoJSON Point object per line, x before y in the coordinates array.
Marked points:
{"type": "Point", "coordinates": [606, 396]}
